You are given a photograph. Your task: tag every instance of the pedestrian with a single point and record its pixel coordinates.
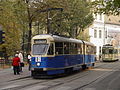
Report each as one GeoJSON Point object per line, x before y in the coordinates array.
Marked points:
{"type": "Point", "coordinates": [29, 61]}
{"type": "Point", "coordinates": [16, 64]}
{"type": "Point", "coordinates": [21, 61]}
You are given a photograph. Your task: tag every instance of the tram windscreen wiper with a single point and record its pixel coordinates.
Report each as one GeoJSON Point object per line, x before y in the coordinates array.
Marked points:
{"type": "Point", "coordinates": [39, 49]}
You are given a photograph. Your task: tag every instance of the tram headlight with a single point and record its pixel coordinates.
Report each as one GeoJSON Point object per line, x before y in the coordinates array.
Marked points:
{"type": "Point", "coordinates": [38, 64]}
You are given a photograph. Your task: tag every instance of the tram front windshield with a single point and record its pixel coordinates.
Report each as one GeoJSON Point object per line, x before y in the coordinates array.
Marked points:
{"type": "Point", "coordinates": [39, 49]}
{"type": "Point", "coordinates": [108, 51]}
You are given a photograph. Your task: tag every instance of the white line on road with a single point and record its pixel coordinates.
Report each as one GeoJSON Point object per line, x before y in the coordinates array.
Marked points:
{"type": "Point", "coordinates": [8, 87]}
{"type": "Point", "coordinates": [36, 87]}
{"type": "Point", "coordinates": [64, 88]}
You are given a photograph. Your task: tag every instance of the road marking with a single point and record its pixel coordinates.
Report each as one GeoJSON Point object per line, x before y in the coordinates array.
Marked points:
{"type": "Point", "coordinates": [101, 69]}
{"type": "Point", "coordinates": [89, 89]}
{"type": "Point", "coordinates": [36, 87]}
{"type": "Point", "coordinates": [8, 87]}
{"type": "Point", "coordinates": [64, 88]}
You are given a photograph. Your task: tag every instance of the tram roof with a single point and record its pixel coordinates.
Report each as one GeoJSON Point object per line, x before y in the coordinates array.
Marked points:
{"type": "Point", "coordinates": [60, 39]}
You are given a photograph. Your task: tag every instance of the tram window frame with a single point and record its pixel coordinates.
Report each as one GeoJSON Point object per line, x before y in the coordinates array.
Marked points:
{"type": "Point", "coordinates": [51, 49]}
{"type": "Point", "coordinates": [58, 48]}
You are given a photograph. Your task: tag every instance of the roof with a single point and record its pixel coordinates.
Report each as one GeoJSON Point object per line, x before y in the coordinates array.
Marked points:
{"type": "Point", "coordinates": [113, 19]}
{"type": "Point", "coordinates": [60, 39]}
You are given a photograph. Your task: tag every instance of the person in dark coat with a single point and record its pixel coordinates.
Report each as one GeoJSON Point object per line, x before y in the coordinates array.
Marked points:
{"type": "Point", "coordinates": [16, 64]}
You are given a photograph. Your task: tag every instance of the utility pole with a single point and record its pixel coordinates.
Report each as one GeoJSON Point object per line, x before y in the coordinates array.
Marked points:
{"type": "Point", "coordinates": [48, 17]}
{"type": "Point", "coordinates": [48, 22]}
{"type": "Point", "coordinates": [34, 16]}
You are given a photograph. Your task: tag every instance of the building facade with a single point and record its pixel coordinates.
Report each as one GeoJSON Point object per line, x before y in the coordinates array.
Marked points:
{"type": "Point", "coordinates": [105, 30]}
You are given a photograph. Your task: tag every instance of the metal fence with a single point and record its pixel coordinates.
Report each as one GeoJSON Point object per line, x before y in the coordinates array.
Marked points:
{"type": "Point", "coordinates": [5, 63]}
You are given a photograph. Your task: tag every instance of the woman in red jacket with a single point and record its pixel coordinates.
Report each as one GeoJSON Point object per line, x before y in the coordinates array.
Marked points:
{"type": "Point", "coordinates": [16, 64]}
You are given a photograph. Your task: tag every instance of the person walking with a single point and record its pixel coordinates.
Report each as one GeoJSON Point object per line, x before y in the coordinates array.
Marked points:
{"type": "Point", "coordinates": [21, 61]}
{"type": "Point", "coordinates": [16, 64]}
{"type": "Point", "coordinates": [29, 61]}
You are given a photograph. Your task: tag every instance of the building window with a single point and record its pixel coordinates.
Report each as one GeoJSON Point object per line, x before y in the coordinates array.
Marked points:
{"type": "Point", "coordinates": [95, 33]}
{"type": "Point", "coordinates": [105, 34]}
{"type": "Point", "coordinates": [100, 16]}
{"type": "Point", "coordinates": [96, 16]}
{"type": "Point", "coordinates": [100, 49]}
{"type": "Point", "coordinates": [100, 34]}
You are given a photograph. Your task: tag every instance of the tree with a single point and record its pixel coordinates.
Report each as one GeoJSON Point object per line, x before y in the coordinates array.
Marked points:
{"type": "Point", "coordinates": [17, 18]}
{"type": "Point", "coordinates": [11, 23]}
{"type": "Point", "coordinates": [77, 17]}
{"type": "Point", "coordinates": [74, 18]}
{"type": "Point", "coordinates": [107, 7]}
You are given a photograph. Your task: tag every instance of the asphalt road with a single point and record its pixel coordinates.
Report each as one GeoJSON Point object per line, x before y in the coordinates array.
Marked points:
{"type": "Point", "coordinates": [104, 76]}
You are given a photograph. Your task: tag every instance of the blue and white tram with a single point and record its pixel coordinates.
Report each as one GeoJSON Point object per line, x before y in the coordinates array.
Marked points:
{"type": "Point", "coordinates": [52, 55]}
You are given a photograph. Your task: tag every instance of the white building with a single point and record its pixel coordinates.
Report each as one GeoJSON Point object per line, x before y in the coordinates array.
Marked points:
{"type": "Point", "coordinates": [102, 29]}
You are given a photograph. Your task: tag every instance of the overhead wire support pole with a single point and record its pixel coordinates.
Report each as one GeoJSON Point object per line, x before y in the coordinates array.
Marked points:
{"type": "Point", "coordinates": [34, 16]}
{"type": "Point", "coordinates": [48, 16]}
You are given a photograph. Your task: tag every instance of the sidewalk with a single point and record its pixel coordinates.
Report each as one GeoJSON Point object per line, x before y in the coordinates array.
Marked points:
{"type": "Point", "coordinates": [8, 75]}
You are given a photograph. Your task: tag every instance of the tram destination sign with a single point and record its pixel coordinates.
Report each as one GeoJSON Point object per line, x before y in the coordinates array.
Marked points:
{"type": "Point", "coordinates": [40, 41]}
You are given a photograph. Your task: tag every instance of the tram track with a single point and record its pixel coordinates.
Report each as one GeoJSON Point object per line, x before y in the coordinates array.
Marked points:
{"type": "Point", "coordinates": [19, 78]}
{"type": "Point", "coordinates": [57, 82]}
{"type": "Point", "coordinates": [98, 78]}
{"type": "Point", "coordinates": [23, 86]}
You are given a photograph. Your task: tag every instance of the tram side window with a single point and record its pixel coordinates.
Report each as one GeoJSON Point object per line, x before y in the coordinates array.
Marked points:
{"type": "Point", "coordinates": [75, 49]}
{"type": "Point", "coordinates": [79, 49]}
{"type": "Point", "coordinates": [111, 51]}
{"type": "Point", "coordinates": [66, 48]}
{"type": "Point", "coordinates": [71, 48]}
{"type": "Point", "coordinates": [51, 49]}
{"type": "Point", "coordinates": [87, 49]}
{"type": "Point", "coordinates": [115, 51]}
{"type": "Point", "coordinates": [59, 47]}
{"type": "Point", "coordinates": [92, 50]}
